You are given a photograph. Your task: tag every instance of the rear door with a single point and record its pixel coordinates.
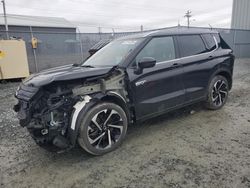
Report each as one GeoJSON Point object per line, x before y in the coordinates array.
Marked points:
{"type": "Point", "coordinates": [158, 88]}
{"type": "Point", "coordinates": [197, 61]}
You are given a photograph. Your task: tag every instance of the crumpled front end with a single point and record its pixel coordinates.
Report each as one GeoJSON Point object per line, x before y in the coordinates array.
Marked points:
{"type": "Point", "coordinates": [45, 112]}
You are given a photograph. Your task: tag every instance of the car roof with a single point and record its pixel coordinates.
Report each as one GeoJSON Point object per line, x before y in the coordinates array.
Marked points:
{"type": "Point", "coordinates": [171, 31]}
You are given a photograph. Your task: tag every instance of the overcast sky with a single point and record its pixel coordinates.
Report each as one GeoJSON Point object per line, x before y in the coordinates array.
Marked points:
{"type": "Point", "coordinates": [128, 15]}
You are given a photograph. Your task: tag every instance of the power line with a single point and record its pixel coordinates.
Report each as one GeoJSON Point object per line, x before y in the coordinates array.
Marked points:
{"type": "Point", "coordinates": [74, 13]}
{"type": "Point", "coordinates": [76, 23]}
{"type": "Point", "coordinates": [84, 12]}
{"type": "Point", "coordinates": [188, 16]}
{"type": "Point", "coordinates": [127, 5]}
{"type": "Point", "coordinates": [87, 12]}
{"type": "Point", "coordinates": [111, 5]}
{"type": "Point", "coordinates": [130, 5]}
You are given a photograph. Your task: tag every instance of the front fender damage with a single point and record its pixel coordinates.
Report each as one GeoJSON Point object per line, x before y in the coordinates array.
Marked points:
{"type": "Point", "coordinates": [94, 91]}
{"type": "Point", "coordinates": [52, 117]}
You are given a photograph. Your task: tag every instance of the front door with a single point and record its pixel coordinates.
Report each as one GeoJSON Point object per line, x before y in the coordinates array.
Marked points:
{"type": "Point", "coordinates": [159, 88]}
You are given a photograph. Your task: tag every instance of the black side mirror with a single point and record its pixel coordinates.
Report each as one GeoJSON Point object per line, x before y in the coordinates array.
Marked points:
{"type": "Point", "coordinates": [145, 62]}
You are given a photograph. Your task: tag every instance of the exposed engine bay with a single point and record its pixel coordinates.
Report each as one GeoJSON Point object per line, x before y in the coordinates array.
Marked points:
{"type": "Point", "coordinates": [47, 111]}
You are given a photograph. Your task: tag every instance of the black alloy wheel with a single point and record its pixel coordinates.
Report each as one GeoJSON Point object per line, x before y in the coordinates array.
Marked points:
{"type": "Point", "coordinates": [103, 128]}
{"type": "Point", "coordinates": [217, 93]}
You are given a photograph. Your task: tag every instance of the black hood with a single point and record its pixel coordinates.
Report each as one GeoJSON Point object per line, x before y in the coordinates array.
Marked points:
{"type": "Point", "coordinates": [64, 73]}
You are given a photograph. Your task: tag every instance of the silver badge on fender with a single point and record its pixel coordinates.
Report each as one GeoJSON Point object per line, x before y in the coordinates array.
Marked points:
{"type": "Point", "coordinates": [140, 82]}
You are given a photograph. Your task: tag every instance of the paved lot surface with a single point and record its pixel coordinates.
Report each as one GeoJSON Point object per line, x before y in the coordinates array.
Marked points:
{"type": "Point", "coordinates": [191, 147]}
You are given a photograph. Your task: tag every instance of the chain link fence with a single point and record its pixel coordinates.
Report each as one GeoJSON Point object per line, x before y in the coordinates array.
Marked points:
{"type": "Point", "coordinates": [55, 49]}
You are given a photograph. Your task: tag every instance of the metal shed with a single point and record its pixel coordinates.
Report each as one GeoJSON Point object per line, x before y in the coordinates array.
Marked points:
{"type": "Point", "coordinates": [241, 14]}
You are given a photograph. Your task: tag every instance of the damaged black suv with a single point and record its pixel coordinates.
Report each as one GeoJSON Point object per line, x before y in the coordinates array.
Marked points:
{"type": "Point", "coordinates": [129, 80]}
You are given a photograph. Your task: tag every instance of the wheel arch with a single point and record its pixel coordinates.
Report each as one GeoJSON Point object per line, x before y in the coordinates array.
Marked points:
{"type": "Point", "coordinates": [228, 76]}
{"type": "Point", "coordinates": [116, 98]}
{"type": "Point", "coordinates": [93, 99]}
{"type": "Point", "coordinates": [223, 72]}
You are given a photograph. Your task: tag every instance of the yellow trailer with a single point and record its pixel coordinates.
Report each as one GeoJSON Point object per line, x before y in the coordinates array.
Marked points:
{"type": "Point", "coordinates": [13, 59]}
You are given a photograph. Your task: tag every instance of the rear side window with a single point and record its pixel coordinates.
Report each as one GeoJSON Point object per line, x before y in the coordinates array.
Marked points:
{"type": "Point", "coordinates": [160, 48]}
{"type": "Point", "coordinates": [191, 45]}
{"type": "Point", "coordinates": [210, 42]}
{"type": "Point", "coordinates": [223, 43]}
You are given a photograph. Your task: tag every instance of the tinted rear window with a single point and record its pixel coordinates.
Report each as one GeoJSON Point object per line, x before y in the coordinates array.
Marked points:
{"type": "Point", "coordinates": [222, 42]}
{"type": "Point", "coordinates": [191, 45]}
{"type": "Point", "coordinates": [210, 42]}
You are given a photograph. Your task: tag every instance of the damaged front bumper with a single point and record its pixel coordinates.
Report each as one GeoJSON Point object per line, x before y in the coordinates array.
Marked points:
{"type": "Point", "coordinates": [51, 112]}
{"type": "Point", "coordinates": [24, 94]}
{"type": "Point", "coordinates": [46, 119]}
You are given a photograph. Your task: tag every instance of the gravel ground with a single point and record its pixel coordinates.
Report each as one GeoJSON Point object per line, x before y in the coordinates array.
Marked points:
{"type": "Point", "coordinates": [191, 147]}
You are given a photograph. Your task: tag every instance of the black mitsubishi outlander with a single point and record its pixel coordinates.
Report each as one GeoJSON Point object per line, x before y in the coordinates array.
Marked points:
{"type": "Point", "coordinates": [129, 80]}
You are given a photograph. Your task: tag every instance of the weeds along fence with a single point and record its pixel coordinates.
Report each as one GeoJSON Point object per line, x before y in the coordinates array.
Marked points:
{"type": "Point", "coordinates": [55, 49]}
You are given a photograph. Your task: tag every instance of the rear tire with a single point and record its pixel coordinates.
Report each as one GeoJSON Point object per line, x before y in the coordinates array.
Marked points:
{"type": "Point", "coordinates": [102, 128]}
{"type": "Point", "coordinates": [217, 93]}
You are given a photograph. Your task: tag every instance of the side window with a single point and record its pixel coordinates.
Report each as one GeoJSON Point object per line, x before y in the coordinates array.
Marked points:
{"type": "Point", "coordinates": [221, 42]}
{"type": "Point", "coordinates": [209, 39]}
{"type": "Point", "coordinates": [191, 45]}
{"type": "Point", "coordinates": [161, 49]}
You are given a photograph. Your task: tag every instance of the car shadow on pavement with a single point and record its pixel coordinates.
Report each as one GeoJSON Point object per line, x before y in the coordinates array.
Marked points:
{"type": "Point", "coordinates": [78, 154]}
{"type": "Point", "coordinates": [176, 114]}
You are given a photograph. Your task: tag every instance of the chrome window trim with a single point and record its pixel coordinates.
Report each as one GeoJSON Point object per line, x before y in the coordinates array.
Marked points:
{"type": "Point", "coordinates": [217, 46]}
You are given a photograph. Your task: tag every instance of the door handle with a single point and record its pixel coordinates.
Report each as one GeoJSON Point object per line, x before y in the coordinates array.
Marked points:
{"type": "Point", "coordinates": [210, 57]}
{"type": "Point", "coordinates": [176, 65]}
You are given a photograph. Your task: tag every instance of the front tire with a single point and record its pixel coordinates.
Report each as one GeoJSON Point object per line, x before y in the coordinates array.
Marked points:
{"type": "Point", "coordinates": [102, 128]}
{"type": "Point", "coordinates": [217, 93]}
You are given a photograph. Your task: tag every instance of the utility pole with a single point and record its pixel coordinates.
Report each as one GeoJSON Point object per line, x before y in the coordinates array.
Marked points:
{"type": "Point", "coordinates": [141, 28]}
{"type": "Point", "coordinates": [34, 50]}
{"type": "Point", "coordinates": [188, 16]}
{"type": "Point", "coordinates": [5, 20]}
{"type": "Point", "coordinates": [100, 31]}
{"type": "Point", "coordinates": [179, 23]}
{"type": "Point", "coordinates": [80, 39]}
{"type": "Point", "coordinates": [113, 32]}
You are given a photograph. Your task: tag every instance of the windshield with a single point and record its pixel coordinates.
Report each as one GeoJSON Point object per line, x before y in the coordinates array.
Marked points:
{"type": "Point", "coordinates": [113, 53]}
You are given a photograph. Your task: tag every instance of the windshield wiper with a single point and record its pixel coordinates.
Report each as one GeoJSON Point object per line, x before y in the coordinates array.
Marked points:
{"type": "Point", "coordinates": [76, 64]}
{"type": "Point", "coordinates": [80, 65]}
{"type": "Point", "coordinates": [87, 66]}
